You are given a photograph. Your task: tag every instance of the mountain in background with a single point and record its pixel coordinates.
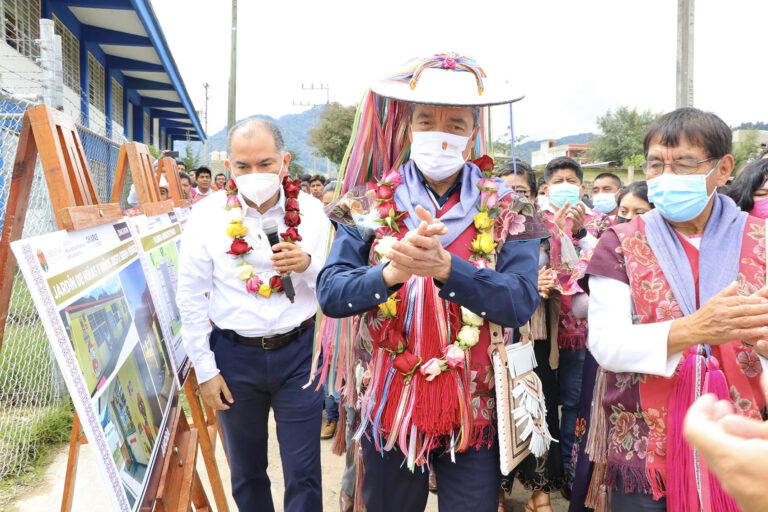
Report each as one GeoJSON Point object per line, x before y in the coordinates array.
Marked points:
{"type": "Point", "coordinates": [525, 149]}
{"type": "Point", "coordinates": [295, 129]}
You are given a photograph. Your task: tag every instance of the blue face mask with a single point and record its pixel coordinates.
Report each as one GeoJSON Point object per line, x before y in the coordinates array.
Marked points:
{"type": "Point", "coordinates": [680, 198]}
{"type": "Point", "coordinates": [562, 192]}
{"type": "Point", "coordinates": [604, 203]}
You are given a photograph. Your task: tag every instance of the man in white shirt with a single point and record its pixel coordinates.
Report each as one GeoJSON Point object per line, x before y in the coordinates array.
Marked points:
{"type": "Point", "coordinates": [203, 184]}
{"type": "Point", "coordinates": [258, 354]}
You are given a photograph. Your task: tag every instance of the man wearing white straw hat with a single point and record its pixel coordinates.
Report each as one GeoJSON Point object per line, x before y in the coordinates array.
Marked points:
{"type": "Point", "coordinates": [413, 256]}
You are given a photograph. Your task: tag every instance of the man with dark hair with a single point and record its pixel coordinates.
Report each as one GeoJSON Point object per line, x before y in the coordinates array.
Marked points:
{"type": "Point", "coordinates": [434, 202]}
{"type": "Point", "coordinates": [203, 184]}
{"type": "Point", "coordinates": [572, 225]}
{"type": "Point", "coordinates": [193, 177]}
{"type": "Point", "coordinates": [186, 184]}
{"type": "Point", "coordinates": [181, 166]}
{"type": "Point", "coordinates": [655, 282]}
{"type": "Point", "coordinates": [220, 181]}
{"type": "Point", "coordinates": [605, 193]}
{"type": "Point", "coordinates": [316, 184]}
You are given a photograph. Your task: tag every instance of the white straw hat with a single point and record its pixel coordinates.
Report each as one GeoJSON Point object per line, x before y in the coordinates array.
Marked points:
{"type": "Point", "coordinates": [446, 79]}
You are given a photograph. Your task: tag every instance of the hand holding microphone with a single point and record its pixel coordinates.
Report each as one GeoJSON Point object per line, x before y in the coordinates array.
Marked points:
{"type": "Point", "coordinates": [287, 257]}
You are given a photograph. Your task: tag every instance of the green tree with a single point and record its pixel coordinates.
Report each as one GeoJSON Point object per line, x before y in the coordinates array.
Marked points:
{"type": "Point", "coordinates": [745, 150]}
{"type": "Point", "coordinates": [153, 151]}
{"type": "Point", "coordinates": [295, 169]}
{"type": "Point", "coordinates": [621, 135]}
{"type": "Point", "coordinates": [633, 161]}
{"type": "Point", "coordinates": [191, 157]}
{"type": "Point", "coordinates": [332, 135]}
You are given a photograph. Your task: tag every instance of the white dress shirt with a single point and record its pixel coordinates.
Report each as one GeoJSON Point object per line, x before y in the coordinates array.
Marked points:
{"type": "Point", "coordinates": [209, 291]}
{"type": "Point", "coordinates": [617, 344]}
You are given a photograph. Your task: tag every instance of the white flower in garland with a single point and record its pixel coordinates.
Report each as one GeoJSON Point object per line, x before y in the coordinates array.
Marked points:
{"type": "Point", "coordinates": [469, 318]}
{"type": "Point", "coordinates": [235, 215]}
{"type": "Point", "coordinates": [468, 337]}
{"type": "Point", "coordinates": [244, 271]}
{"type": "Point", "coordinates": [384, 246]}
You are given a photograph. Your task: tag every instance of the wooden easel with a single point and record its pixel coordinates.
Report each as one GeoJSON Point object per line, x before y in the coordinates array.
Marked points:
{"type": "Point", "coordinates": [145, 181]}
{"type": "Point", "coordinates": [53, 136]}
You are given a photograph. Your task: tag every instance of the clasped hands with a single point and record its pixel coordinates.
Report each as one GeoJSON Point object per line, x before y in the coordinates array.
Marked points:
{"type": "Point", "coordinates": [576, 213]}
{"type": "Point", "coordinates": [419, 253]}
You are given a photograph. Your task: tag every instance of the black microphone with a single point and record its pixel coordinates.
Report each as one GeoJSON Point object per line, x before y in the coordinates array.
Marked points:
{"type": "Point", "coordinates": [270, 229]}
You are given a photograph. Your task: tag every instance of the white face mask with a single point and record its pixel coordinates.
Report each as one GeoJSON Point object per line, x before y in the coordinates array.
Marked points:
{"type": "Point", "coordinates": [259, 187]}
{"type": "Point", "coordinates": [543, 202]}
{"type": "Point", "coordinates": [438, 155]}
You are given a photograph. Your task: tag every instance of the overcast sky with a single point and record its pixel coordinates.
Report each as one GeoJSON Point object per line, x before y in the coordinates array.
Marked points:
{"type": "Point", "coordinates": [573, 60]}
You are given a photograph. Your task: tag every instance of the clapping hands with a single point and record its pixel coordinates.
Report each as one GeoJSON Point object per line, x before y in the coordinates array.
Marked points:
{"type": "Point", "coordinates": [419, 253]}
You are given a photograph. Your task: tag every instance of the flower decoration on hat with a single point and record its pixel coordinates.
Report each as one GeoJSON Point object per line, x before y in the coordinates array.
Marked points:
{"type": "Point", "coordinates": [450, 61]}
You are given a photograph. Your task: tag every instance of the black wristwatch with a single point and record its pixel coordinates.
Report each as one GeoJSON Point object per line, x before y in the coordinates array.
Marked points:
{"type": "Point", "coordinates": [580, 233]}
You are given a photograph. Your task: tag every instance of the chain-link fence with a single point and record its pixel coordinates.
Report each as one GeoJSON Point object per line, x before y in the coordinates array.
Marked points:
{"type": "Point", "coordinates": [32, 394]}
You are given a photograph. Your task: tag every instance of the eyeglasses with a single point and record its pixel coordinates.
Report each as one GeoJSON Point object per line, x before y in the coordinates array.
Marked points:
{"type": "Point", "coordinates": [655, 168]}
{"type": "Point", "coordinates": [522, 192]}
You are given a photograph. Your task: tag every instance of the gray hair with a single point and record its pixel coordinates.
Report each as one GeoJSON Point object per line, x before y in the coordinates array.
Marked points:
{"type": "Point", "coordinates": [248, 125]}
{"type": "Point", "coordinates": [330, 187]}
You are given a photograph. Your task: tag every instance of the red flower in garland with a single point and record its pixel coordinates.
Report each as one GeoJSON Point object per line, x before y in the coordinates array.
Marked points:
{"type": "Point", "coordinates": [239, 246]}
{"type": "Point", "coordinates": [292, 219]}
{"type": "Point", "coordinates": [291, 188]}
{"type": "Point", "coordinates": [291, 235]}
{"type": "Point", "coordinates": [231, 187]}
{"type": "Point", "coordinates": [384, 192]}
{"type": "Point", "coordinates": [276, 283]}
{"type": "Point", "coordinates": [406, 363]}
{"type": "Point", "coordinates": [384, 208]}
{"type": "Point", "coordinates": [291, 205]}
{"type": "Point", "coordinates": [392, 341]}
{"type": "Point", "coordinates": [485, 163]}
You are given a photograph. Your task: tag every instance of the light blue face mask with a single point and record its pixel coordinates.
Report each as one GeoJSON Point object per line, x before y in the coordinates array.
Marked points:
{"type": "Point", "coordinates": [605, 202]}
{"type": "Point", "coordinates": [562, 192]}
{"type": "Point", "coordinates": [679, 197]}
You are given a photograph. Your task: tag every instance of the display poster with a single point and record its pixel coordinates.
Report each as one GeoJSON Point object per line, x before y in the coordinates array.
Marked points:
{"type": "Point", "coordinates": [91, 293]}
{"type": "Point", "coordinates": [182, 214]}
{"type": "Point", "coordinates": [159, 242]}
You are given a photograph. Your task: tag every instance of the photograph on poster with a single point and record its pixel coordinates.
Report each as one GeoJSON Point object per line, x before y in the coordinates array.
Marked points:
{"type": "Point", "coordinates": [97, 325]}
{"type": "Point", "coordinates": [131, 413]}
{"type": "Point", "coordinates": [91, 292]}
{"type": "Point", "coordinates": [158, 239]}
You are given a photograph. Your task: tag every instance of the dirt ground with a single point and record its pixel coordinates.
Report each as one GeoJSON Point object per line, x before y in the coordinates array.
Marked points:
{"type": "Point", "coordinates": [91, 495]}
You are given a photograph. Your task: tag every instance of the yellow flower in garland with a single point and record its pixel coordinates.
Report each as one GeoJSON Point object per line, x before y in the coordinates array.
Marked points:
{"type": "Point", "coordinates": [483, 243]}
{"type": "Point", "coordinates": [236, 230]}
{"type": "Point", "coordinates": [389, 308]}
{"type": "Point", "coordinates": [265, 290]}
{"type": "Point", "coordinates": [483, 222]}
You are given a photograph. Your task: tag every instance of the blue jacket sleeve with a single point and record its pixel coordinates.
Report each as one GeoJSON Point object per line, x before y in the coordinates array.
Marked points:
{"type": "Point", "coordinates": [348, 285]}
{"type": "Point", "coordinates": [508, 295]}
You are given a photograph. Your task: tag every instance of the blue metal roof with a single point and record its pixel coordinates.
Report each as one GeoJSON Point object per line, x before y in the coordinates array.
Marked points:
{"type": "Point", "coordinates": [126, 37]}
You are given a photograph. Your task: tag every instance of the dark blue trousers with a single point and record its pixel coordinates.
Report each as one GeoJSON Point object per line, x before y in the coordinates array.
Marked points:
{"type": "Point", "coordinates": [471, 484]}
{"type": "Point", "coordinates": [259, 380]}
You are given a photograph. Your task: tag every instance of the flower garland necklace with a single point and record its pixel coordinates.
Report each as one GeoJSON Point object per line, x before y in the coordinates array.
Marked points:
{"type": "Point", "coordinates": [482, 246]}
{"type": "Point", "coordinates": [240, 248]}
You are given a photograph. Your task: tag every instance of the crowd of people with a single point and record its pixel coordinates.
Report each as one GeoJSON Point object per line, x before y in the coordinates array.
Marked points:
{"type": "Point", "coordinates": [645, 303]}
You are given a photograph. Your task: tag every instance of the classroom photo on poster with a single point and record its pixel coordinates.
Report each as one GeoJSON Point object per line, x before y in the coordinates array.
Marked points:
{"type": "Point", "coordinates": [92, 294]}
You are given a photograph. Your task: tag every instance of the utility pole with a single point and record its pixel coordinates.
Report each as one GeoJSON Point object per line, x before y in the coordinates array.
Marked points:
{"type": "Point", "coordinates": [327, 89]}
{"type": "Point", "coordinates": [314, 125]}
{"type": "Point", "coordinates": [205, 128]}
{"type": "Point", "coordinates": [684, 88]}
{"type": "Point", "coordinates": [231, 118]}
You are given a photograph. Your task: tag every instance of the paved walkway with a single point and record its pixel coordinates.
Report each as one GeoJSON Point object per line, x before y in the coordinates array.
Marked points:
{"type": "Point", "coordinates": [91, 495]}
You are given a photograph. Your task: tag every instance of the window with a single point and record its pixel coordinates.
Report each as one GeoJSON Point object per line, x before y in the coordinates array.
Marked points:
{"type": "Point", "coordinates": [147, 134]}
{"type": "Point", "coordinates": [21, 25]}
{"type": "Point", "coordinates": [95, 83]}
{"type": "Point", "coordinates": [70, 50]}
{"type": "Point", "coordinates": [117, 103]}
